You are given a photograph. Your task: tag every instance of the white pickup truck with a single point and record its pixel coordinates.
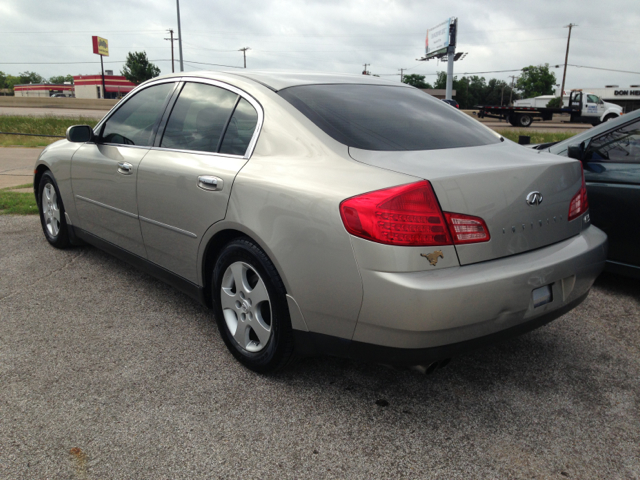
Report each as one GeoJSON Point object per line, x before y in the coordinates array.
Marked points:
{"type": "Point", "coordinates": [583, 107]}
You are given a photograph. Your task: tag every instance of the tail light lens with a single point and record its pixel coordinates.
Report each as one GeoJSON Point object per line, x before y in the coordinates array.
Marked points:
{"type": "Point", "coordinates": [579, 203]}
{"type": "Point", "coordinates": [467, 229]}
{"type": "Point", "coordinates": [408, 215]}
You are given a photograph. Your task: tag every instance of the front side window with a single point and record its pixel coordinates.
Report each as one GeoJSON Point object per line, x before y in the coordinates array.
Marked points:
{"type": "Point", "coordinates": [386, 118]}
{"type": "Point", "coordinates": [133, 122]}
{"type": "Point", "coordinates": [619, 146]}
{"type": "Point", "coordinates": [593, 98]}
{"type": "Point", "coordinates": [199, 118]}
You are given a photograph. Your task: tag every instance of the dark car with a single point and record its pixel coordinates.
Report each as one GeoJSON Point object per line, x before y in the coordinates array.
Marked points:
{"type": "Point", "coordinates": [610, 154]}
{"type": "Point", "coordinates": [451, 102]}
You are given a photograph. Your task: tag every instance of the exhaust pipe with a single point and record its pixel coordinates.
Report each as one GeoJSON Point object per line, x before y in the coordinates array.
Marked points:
{"type": "Point", "coordinates": [431, 367]}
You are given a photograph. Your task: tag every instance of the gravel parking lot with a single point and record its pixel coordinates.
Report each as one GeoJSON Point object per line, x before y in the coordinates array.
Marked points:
{"type": "Point", "coordinates": [106, 372]}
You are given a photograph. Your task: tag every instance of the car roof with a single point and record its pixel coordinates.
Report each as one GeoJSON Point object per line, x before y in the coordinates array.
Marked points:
{"type": "Point", "coordinates": [280, 80]}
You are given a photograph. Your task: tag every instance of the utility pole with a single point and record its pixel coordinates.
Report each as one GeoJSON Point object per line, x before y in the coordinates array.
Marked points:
{"type": "Point", "coordinates": [244, 54]}
{"type": "Point", "coordinates": [364, 72]}
{"type": "Point", "coordinates": [402, 74]}
{"type": "Point", "coordinates": [566, 59]}
{"type": "Point", "coordinates": [179, 37]}
{"type": "Point", "coordinates": [172, 40]}
{"type": "Point", "coordinates": [513, 77]}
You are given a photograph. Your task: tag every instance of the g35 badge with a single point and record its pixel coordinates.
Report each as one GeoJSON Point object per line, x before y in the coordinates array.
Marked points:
{"type": "Point", "coordinates": [433, 257]}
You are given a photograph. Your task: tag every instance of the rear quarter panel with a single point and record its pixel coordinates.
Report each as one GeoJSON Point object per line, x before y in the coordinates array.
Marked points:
{"type": "Point", "coordinates": [287, 198]}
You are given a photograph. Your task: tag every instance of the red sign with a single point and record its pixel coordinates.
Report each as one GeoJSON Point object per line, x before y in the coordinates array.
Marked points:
{"type": "Point", "coordinates": [100, 46]}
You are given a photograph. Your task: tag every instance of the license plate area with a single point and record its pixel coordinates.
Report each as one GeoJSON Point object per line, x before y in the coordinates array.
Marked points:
{"type": "Point", "coordinates": [542, 296]}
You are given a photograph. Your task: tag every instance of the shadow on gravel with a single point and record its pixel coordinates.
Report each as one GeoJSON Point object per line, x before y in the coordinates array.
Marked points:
{"type": "Point", "coordinates": [620, 285]}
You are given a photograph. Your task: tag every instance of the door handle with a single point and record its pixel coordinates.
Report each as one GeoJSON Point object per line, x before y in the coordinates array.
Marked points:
{"type": "Point", "coordinates": [209, 182]}
{"type": "Point", "coordinates": [125, 168]}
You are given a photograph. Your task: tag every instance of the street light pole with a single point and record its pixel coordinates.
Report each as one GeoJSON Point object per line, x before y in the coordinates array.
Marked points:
{"type": "Point", "coordinates": [179, 36]}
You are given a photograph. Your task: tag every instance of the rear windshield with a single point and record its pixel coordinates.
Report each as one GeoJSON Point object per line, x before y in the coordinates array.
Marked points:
{"type": "Point", "coordinates": [388, 118]}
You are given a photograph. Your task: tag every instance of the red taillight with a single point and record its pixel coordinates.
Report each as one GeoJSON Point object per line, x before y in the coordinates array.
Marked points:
{"type": "Point", "coordinates": [579, 203]}
{"type": "Point", "coordinates": [467, 229]}
{"type": "Point", "coordinates": [407, 215]}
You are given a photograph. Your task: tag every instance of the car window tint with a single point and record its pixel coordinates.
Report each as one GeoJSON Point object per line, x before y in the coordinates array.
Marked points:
{"type": "Point", "coordinates": [133, 122]}
{"type": "Point", "coordinates": [592, 98]}
{"type": "Point", "coordinates": [199, 117]}
{"type": "Point", "coordinates": [377, 117]}
{"type": "Point", "coordinates": [619, 146]}
{"type": "Point", "coordinates": [240, 129]}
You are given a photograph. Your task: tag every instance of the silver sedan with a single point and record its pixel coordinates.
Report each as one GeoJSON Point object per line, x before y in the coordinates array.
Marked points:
{"type": "Point", "coordinates": [327, 214]}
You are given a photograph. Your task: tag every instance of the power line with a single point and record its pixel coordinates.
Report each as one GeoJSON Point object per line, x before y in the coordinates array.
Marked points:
{"type": "Point", "coordinates": [214, 64]}
{"type": "Point", "coordinates": [82, 32]}
{"type": "Point", "coordinates": [605, 69]}
{"type": "Point", "coordinates": [74, 63]}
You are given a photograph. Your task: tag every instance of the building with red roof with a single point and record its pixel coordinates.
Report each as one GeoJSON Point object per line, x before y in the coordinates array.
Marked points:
{"type": "Point", "coordinates": [90, 86]}
{"type": "Point", "coordinates": [43, 90]}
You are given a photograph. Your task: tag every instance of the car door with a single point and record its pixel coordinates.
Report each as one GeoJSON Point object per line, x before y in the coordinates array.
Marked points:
{"type": "Point", "coordinates": [184, 182]}
{"type": "Point", "coordinates": [104, 172]}
{"type": "Point", "coordinates": [594, 107]}
{"type": "Point", "coordinates": [612, 173]}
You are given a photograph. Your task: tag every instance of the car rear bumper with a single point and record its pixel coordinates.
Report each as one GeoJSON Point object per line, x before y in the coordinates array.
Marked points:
{"type": "Point", "coordinates": [419, 317]}
{"type": "Point", "coordinates": [309, 343]}
{"type": "Point", "coordinates": [429, 309]}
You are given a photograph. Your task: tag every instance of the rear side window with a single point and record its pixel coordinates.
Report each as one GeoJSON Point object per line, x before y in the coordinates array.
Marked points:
{"type": "Point", "coordinates": [240, 129]}
{"type": "Point", "coordinates": [133, 122]}
{"type": "Point", "coordinates": [199, 118]}
{"type": "Point", "coordinates": [386, 118]}
{"type": "Point", "coordinates": [619, 146]}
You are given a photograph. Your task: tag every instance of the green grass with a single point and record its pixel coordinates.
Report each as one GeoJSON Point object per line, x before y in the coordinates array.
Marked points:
{"type": "Point", "coordinates": [38, 125]}
{"type": "Point", "coordinates": [536, 137]}
{"type": "Point", "coordinates": [17, 203]}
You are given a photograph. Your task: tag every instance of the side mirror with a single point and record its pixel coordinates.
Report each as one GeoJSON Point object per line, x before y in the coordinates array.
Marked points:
{"type": "Point", "coordinates": [79, 134]}
{"type": "Point", "coordinates": [576, 151]}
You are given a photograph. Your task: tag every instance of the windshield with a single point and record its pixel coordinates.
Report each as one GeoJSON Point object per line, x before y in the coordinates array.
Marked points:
{"type": "Point", "coordinates": [387, 118]}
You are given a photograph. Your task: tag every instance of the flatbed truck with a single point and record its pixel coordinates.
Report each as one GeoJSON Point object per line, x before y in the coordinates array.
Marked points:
{"type": "Point", "coordinates": [582, 107]}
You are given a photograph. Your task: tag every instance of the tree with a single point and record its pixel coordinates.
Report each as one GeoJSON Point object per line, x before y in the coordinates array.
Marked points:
{"type": "Point", "coordinates": [30, 77]}
{"type": "Point", "coordinates": [535, 81]}
{"type": "Point", "coordinates": [61, 79]}
{"type": "Point", "coordinates": [138, 68]}
{"type": "Point", "coordinates": [10, 81]}
{"type": "Point", "coordinates": [416, 80]}
{"type": "Point", "coordinates": [498, 92]}
{"type": "Point", "coordinates": [555, 102]}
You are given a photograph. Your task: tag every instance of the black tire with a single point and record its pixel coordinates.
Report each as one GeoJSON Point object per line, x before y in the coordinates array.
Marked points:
{"type": "Point", "coordinates": [524, 120]}
{"type": "Point", "coordinates": [512, 119]}
{"type": "Point", "coordinates": [611, 116]}
{"type": "Point", "coordinates": [52, 218]}
{"type": "Point", "coordinates": [250, 317]}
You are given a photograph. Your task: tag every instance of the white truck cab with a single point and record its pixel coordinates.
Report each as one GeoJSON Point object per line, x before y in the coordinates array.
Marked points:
{"type": "Point", "coordinates": [590, 105]}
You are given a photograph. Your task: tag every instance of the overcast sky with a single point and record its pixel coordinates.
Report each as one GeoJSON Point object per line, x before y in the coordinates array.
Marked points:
{"type": "Point", "coordinates": [329, 36]}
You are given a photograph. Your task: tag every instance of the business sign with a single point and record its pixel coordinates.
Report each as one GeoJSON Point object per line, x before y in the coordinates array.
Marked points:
{"type": "Point", "coordinates": [438, 37]}
{"type": "Point", "coordinates": [100, 46]}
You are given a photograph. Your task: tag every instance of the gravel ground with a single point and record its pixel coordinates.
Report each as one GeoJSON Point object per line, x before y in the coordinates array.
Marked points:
{"type": "Point", "coordinates": [107, 373]}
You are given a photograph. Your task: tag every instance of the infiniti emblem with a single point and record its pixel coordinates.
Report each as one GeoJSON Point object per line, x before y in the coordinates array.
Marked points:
{"type": "Point", "coordinates": [534, 199]}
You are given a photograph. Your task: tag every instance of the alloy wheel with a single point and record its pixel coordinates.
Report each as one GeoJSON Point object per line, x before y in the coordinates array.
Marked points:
{"type": "Point", "coordinates": [50, 210]}
{"type": "Point", "coordinates": [246, 306]}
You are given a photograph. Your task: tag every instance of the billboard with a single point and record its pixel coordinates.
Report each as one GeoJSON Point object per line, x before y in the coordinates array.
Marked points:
{"type": "Point", "coordinates": [100, 46]}
{"type": "Point", "coordinates": [438, 38]}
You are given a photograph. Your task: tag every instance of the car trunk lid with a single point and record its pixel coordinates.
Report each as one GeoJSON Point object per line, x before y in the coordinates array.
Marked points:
{"type": "Point", "coordinates": [493, 182]}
